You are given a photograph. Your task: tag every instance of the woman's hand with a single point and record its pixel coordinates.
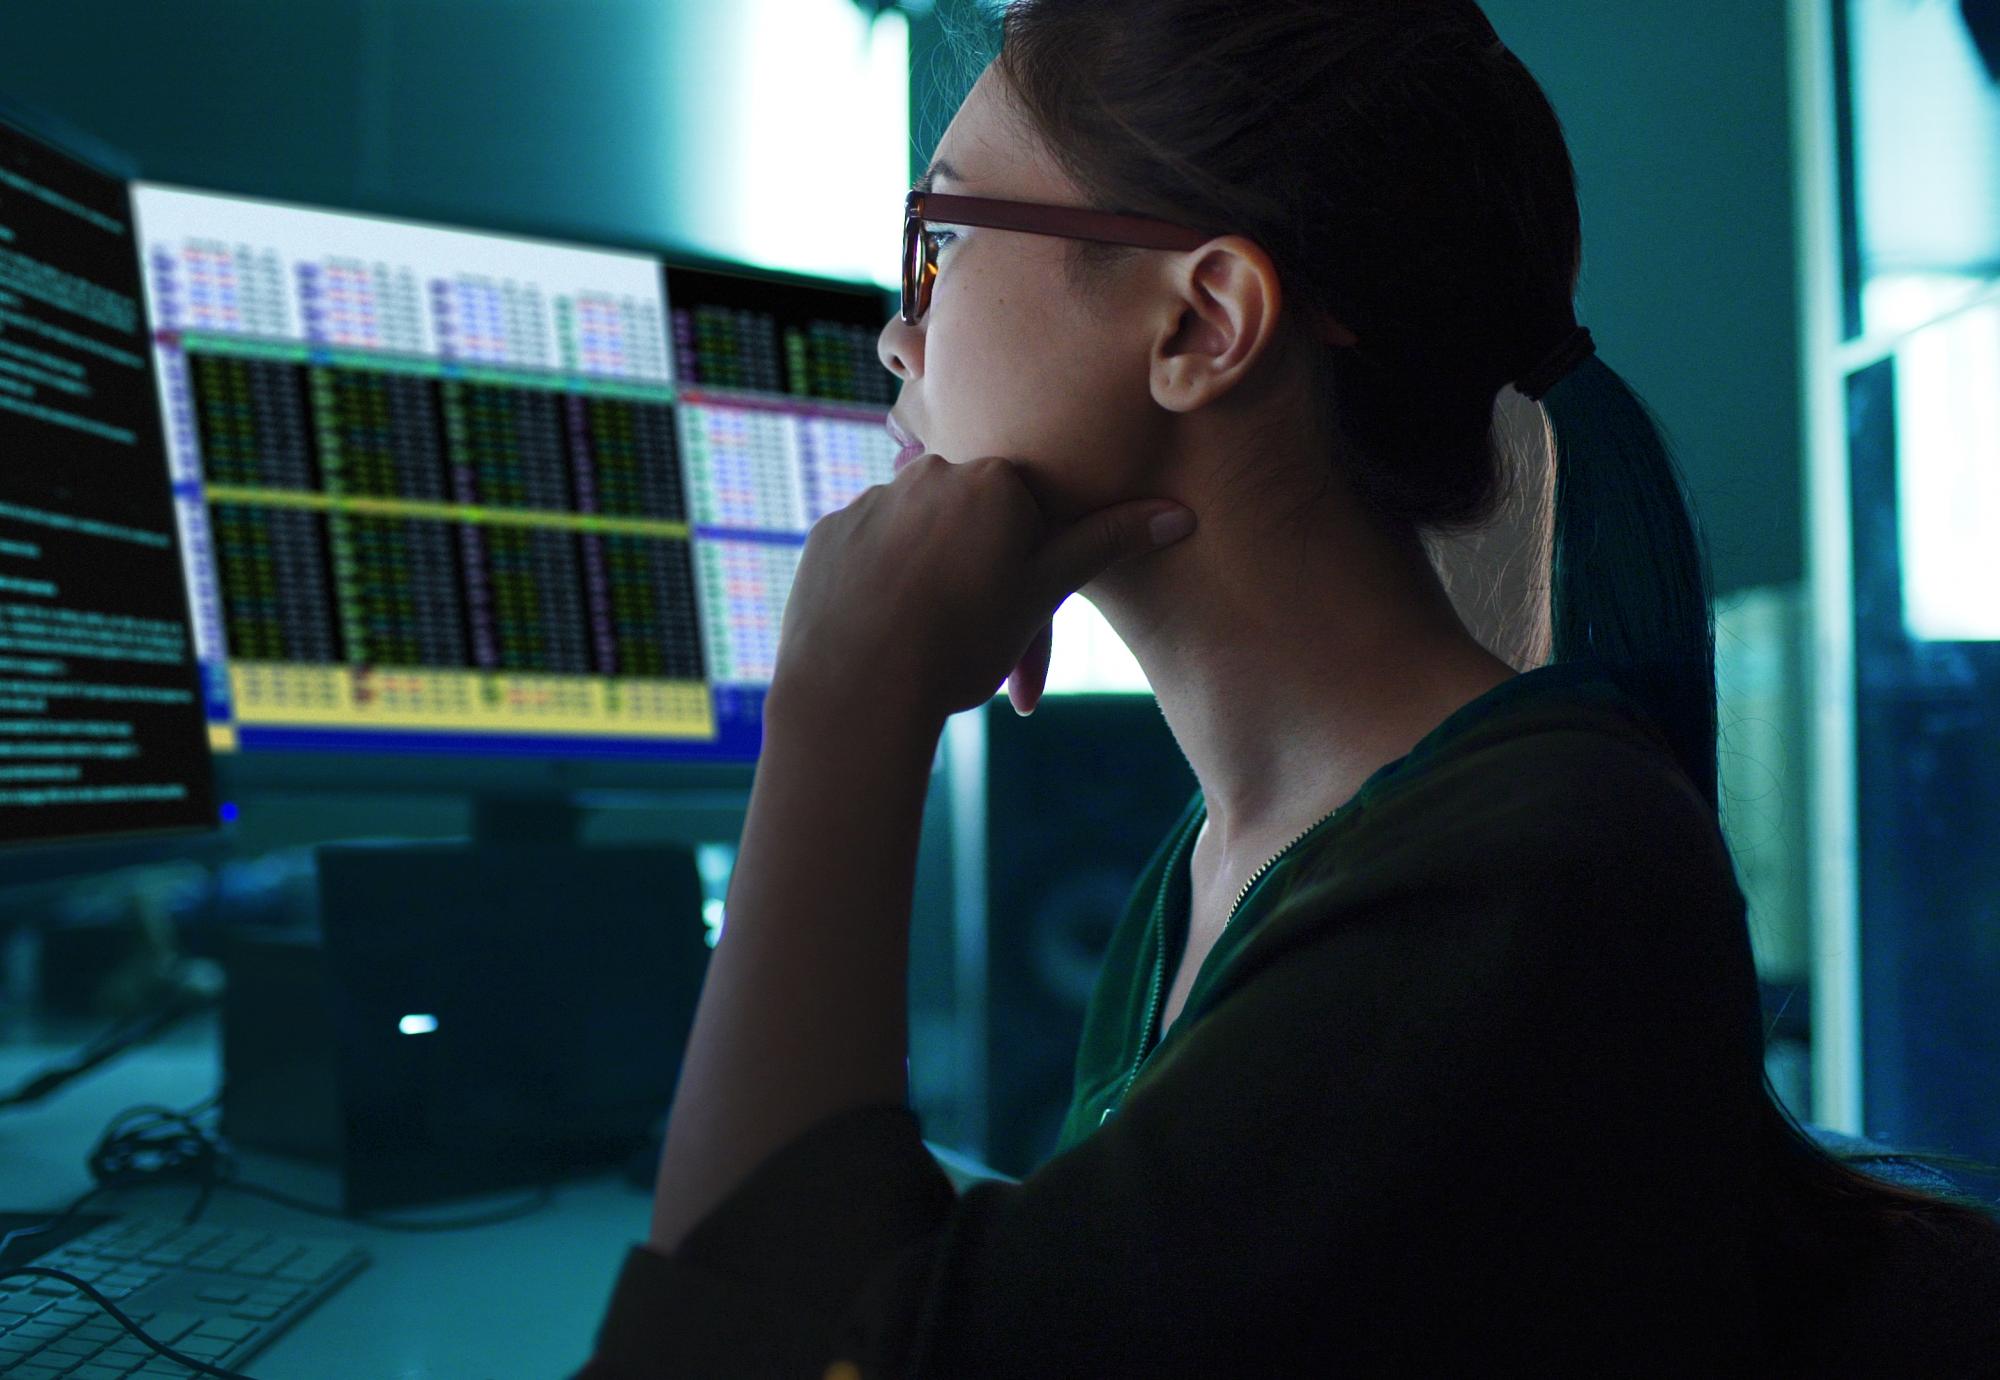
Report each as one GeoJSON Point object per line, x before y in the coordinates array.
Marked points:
{"type": "Point", "coordinates": [932, 589]}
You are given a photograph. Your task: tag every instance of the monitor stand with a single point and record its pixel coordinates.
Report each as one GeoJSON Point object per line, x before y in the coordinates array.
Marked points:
{"type": "Point", "coordinates": [505, 821]}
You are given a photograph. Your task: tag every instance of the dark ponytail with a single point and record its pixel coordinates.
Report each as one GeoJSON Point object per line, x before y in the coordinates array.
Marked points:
{"type": "Point", "coordinates": [1629, 586]}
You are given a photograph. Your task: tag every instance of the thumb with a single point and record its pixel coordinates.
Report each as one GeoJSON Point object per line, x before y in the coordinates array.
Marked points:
{"type": "Point", "coordinates": [1076, 555]}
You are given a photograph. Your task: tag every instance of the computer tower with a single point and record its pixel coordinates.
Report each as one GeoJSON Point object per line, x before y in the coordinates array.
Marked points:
{"type": "Point", "coordinates": [469, 1017]}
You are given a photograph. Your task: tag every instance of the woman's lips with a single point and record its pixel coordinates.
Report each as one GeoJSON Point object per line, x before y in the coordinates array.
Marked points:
{"type": "Point", "coordinates": [911, 446]}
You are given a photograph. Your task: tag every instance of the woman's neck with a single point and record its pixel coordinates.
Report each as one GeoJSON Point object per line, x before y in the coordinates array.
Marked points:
{"type": "Point", "coordinates": [1291, 661]}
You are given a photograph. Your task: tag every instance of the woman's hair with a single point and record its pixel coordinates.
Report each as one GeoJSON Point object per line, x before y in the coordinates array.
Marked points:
{"type": "Point", "coordinates": [1409, 177]}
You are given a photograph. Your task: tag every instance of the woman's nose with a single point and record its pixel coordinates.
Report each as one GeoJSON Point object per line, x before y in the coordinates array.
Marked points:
{"type": "Point", "coordinates": [901, 348]}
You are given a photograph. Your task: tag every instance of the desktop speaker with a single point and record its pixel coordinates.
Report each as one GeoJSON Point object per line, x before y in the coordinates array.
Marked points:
{"type": "Point", "coordinates": [467, 1018]}
{"type": "Point", "coordinates": [1079, 795]}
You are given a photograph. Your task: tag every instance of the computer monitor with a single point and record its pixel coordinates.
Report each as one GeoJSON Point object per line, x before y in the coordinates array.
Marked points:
{"type": "Point", "coordinates": [101, 719]}
{"type": "Point", "coordinates": [470, 499]}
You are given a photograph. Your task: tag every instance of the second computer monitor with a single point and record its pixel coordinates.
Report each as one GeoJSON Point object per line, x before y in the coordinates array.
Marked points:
{"type": "Point", "coordinates": [100, 725]}
{"type": "Point", "coordinates": [454, 492]}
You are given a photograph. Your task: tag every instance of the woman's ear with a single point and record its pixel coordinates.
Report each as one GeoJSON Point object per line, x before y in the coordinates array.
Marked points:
{"type": "Point", "coordinates": [1219, 314]}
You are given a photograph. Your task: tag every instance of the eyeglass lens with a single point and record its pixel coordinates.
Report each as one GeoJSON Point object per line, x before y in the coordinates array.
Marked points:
{"type": "Point", "coordinates": [916, 270]}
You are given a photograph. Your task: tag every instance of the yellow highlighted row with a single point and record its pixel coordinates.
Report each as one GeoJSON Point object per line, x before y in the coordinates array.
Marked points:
{"type": "Point", "coordinates": [445, 512]}
{"type": "Point", "coordinates": [294, 696]}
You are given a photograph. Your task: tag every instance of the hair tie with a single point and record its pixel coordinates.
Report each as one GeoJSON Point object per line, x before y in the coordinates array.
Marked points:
{"type": "Point", "coordinates": [1536, 382]}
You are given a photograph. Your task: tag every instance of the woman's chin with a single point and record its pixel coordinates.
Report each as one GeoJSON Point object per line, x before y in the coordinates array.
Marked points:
{"type": "Point", "coordinates": [1060, 498]}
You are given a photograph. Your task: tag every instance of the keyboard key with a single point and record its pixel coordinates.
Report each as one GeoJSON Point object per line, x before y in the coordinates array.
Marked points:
{"type": "Point", "coordinates": [222, 1293]}
{"type": "Point", "coordinates": [254, 1310]}
{"type": "Point", "coordinates": [168, 1327]}
{"type": "Point", "coordinates": [203, 1348]}
{"type": "Point", "coordinates": [97, 1370]}
{"type": "Point", "coordinates": [212, 1260]}
{"type": "Point", "coordinates": [228, 1329]}
{"type": "Point", "coordinates": [31, 1371]}
{"type": "Point", "coordinates": [12, 1344]}
{"type": "Point", "coordinates": [263, 1264]}
{"type": "Point", "coordinates": [132, 1247]}
{"type": "Point", "coordinates": [39, 1330]}
{"type": "Point", "coordinates": [106, 1331]}
{"type": "Point", "coordinates": [73, 1346]}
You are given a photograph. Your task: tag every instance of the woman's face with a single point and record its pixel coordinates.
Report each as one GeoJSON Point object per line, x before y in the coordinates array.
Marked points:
{"type": "Point", "coordinates": [1009, 359]}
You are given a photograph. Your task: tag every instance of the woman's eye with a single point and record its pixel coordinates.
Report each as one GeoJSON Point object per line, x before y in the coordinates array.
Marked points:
{"type": "Point", "coordinates": [940, 238]}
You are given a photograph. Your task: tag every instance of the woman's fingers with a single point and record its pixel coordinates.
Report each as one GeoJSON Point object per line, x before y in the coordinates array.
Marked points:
{"type": "Point", "coordinates": [1031, 672]}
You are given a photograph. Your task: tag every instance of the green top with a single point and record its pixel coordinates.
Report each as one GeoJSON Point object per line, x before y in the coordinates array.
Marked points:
{"type": "Point", "coordinates": [1469, 1085]}
{"type": "Point", "coordinates": [1121, 1024]}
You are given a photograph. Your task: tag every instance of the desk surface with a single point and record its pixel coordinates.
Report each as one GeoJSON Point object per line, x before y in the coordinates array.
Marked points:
{"type": "Point", "coordinates": [514, 1301]}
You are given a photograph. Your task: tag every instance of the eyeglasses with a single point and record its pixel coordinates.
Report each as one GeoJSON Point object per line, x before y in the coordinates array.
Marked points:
{"type": "Point", "coordinates": [1034, 218]}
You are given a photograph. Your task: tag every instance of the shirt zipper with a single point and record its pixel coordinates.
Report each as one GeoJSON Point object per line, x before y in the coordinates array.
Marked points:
{"type": "Point", "coordinates": [1160, 954]}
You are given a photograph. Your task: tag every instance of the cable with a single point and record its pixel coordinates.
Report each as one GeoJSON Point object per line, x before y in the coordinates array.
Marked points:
{"type": "Point", "coordinates": [133, 1155]}
{"type": "Point", "coordinates": [113, 1309]}
{"type": "Point", "coordinates": [104, 1170]}
{"type": "Point", "coordinates": [54, 1222]}
{"type": "Point", "coordinates": [126, 1157]}
{"type": "Point", "coordinates": [136, 1156]}
{"type": "Point", "coordinates": [194, 996]}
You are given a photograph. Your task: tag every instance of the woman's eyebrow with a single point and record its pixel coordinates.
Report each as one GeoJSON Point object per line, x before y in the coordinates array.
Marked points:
{"type": "Point", "coordinates": [941, 168]}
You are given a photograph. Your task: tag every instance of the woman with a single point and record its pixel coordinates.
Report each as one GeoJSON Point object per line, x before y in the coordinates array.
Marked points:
{"type": "Point", "coordinates": [1429, 1043]}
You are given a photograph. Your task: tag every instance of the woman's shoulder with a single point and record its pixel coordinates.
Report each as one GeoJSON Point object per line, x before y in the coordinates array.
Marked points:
{"type": "Point", "coordinates": [1558, 831]}
{"type": "Point", "coordinates": [1575, 770]}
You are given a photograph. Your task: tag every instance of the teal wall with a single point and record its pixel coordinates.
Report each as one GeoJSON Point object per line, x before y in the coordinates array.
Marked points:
{"type": "Point", "coordinates": [572, 119]}
{"type": "Point", "coordinates": [1678, 118]}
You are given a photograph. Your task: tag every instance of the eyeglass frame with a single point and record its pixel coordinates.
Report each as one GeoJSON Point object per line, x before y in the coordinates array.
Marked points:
{"type": "Point", "coordinates": [1038, 218]}
{"type": "Point", "coordinates": [1029, 217]}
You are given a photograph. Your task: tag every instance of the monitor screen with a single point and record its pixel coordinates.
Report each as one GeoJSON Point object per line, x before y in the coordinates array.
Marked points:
{"type": "Point", "coordinates": [100, 710]}
{"type": "Point", "coordinates": [457, 492]}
